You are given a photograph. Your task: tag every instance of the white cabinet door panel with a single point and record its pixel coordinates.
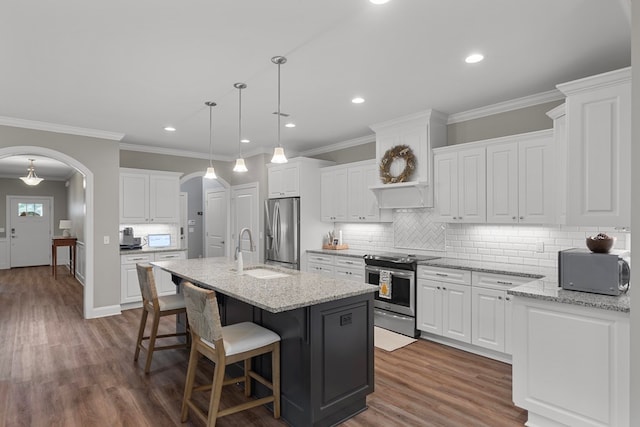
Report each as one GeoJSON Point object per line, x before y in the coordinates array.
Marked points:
{"type": "Point", "coordinates": [456, 312]}
{"type": "Point", "coordinates": [446, 186]}
{"type": "Point", "coordinates": [502, 183]}
{"type": "Point", "coordinates": [488, 324]}
{"type": "Point", "coordinates": [429, 306]}
{"type": "Point", "coordinates": [472, 196]}
{"type": "Point", "coordinates": [536, 181]}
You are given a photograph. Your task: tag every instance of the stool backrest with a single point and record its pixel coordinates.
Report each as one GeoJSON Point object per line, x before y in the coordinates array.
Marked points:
{"type": "Point", "coordinates": [202, 312]}
{"type": "Point", "coordinates": [147, 283]}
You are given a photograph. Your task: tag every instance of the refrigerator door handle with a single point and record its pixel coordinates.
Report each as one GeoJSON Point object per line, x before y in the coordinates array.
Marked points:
{"type": "Point", "coordinates": [269, 230]}
{"type": "Point", "coordinates": [276, 227]}
{"type": "Point", "coordinates": [296, 227]}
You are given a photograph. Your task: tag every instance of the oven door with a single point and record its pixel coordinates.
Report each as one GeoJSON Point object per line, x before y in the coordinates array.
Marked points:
{"type": "Point", "coordinates": [403, 290]}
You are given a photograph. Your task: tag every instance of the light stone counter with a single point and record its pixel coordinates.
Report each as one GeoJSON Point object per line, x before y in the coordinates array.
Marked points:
{"type": "Point", "coordinates": [354, 253]}
{"type": "Point", "coordinates": [298, 289]}
{"type": "Point", "coordinates": [544, 287]}
{"type": "Point", "coordinates": [149, 250]}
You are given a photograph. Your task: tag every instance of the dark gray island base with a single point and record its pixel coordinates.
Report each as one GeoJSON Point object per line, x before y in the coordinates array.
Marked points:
{"type": "Point", "coordinates": [326, 354]}
{"type": "Point", "coordinates": [327, 357]}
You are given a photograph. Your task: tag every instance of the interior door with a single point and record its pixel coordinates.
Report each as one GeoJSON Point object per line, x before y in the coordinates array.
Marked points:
{"type": "Point", "coordinates": [184, 220]}
{"type": "Point", "coordinates": [216, 223]}
{"type": "Point", "coordinates": [30, 224]}
{"type": "Point", "coordinates": [245, 209]}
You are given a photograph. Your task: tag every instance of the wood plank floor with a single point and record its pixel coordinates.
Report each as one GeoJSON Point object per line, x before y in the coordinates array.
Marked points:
{"type": "Point", "coordinates": [57, 369]}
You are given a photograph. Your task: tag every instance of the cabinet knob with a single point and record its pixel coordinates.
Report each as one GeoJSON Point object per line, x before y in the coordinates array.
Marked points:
{"type": "Point", "coordinates": [521, 217]}
{"type": "Point", "coordinates": [438, 287]}
{"type": "Point", "coordinates": [444, 289]}
{"type": "Point", "coordinates": [514, 218]}
{"type": "Point", "coordinates": [499, 297]}
{"type": "Point", "coordinates": [455, 218]}
{"type": "Point", "coordinates": [508, 299]}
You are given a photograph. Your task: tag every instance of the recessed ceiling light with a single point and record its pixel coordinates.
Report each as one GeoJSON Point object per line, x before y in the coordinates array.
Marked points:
{"type": "Point", "coordinates": [357, 100]}
{"type": "Point", "coordinates": [379, 1]}
{"type": "Point", "coordinates": [170, 129]}
{"type": "Point", "coordinates": [245, 141]}
{"type": "Point", "coordinates": [290, 125]}
{"type": "Point", "coordinates": [473, 58]}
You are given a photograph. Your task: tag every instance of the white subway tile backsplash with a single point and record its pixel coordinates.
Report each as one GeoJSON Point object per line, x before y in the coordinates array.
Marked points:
{"type": "Point", "coordinates": [416, 230]}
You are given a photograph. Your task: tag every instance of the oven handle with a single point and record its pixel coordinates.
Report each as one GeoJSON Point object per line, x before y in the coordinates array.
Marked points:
{"type": "Point", "coordinates": [406, 274]}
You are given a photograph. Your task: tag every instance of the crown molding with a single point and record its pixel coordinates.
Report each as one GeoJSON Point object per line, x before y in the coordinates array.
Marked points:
{"type": "Point", "coordinates": [503, 107]}
{"type": "Point", "coordinates": [340, 145]}
{"type": "Point", "coordinates": [191, 154]}
{"type": "Point", "coordinates": [610, 78]}
{"type": "Point", "coordinates": [53, 127]}
{"type": "Point", "coordinates": [421, 117]}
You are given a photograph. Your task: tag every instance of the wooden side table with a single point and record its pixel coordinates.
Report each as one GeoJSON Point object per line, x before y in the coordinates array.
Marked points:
{"type": "Point", "coordinates": [57, 241]}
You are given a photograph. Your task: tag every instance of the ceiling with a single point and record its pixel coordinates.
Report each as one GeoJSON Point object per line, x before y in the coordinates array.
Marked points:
{"type": "Point", "coordinates": [136, 67]}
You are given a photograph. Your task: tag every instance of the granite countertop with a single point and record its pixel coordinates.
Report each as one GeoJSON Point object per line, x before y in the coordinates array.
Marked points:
{"type": "Point", "coordinates": [522, 270]}
{"type": "Point", "coordinates": [354, 253]}
{"type": "Point", "coordinates": [298, 289]}
{"type": "Point", "coordinates": [149, 250]}
{"type": "Point", "coordinates": [544, 288]}
{"type": "Point", "coordinates": [548, 290]}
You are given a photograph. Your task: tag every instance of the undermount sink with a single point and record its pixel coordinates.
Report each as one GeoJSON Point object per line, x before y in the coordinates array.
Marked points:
{"type": "Point", "coordinates": [264, 273]}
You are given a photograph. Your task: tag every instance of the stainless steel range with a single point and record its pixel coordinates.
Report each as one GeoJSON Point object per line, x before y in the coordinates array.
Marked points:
{"type": "Point", "coordinates": [395, 301]}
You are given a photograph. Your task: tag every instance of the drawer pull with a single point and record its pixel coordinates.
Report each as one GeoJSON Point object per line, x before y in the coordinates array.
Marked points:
{"type": "Point", "coordinates": [504, 283]}
{"type": "Point", "coordinates": [138, 259]}
{"type": "Point", "coordinates": [442, 274]}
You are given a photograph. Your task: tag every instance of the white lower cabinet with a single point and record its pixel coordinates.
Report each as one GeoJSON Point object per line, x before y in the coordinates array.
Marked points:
{"type": "Point", "coordinates": [491, 309]}
{"type": "Point", "coordinates": [571, 364]}
{"type": "Point", "coordinates": [444, 302]}
{"type": "Point", "coordinates": [129, 287]}
{"type": "Point", "coordinates": [470, 307]}
{"type": "Point", "coordinates": [337, 266]}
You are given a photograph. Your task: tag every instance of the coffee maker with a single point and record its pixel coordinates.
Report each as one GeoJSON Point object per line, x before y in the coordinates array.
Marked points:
{"type": "Point", "coordinates": [128, 241]}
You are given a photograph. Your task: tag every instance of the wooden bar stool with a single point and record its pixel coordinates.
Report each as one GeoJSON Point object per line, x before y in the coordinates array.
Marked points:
{"type": "Point", "coordinates": [223, 346]}
{"type": "Point", "coordinates": [158, 307]}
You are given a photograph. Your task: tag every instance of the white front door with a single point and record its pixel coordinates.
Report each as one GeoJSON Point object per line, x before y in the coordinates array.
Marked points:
{"type": "Point", "coordinates": [30, 226]}
{"type": "Point", "coordinates": [245, 213]}
{"type": "Point", "coordinates": [216, 223]}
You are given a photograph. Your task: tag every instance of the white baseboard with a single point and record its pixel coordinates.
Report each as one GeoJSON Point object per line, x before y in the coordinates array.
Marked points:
{"type": "Point", "coordinates": [501, 357]}
{"type": "Point", "coordinates": [4, 253]}
{"type": "Point", "coordinates": [110, 310]}
{"type": "Point", "coordinates": [131, 305]}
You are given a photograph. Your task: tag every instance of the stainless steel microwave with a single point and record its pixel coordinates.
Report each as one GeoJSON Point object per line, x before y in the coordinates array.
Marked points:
{"type": "Point", "coordinates": [585, 271]}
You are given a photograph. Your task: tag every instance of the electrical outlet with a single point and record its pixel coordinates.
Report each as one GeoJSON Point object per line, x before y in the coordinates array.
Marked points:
{"type": "Point", "coordinates": [540, 247]}
{"type": "Point", "coordinates": [106, 240]}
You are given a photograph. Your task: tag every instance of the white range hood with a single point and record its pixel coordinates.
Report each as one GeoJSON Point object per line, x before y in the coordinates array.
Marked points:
{"type": "Point", "coordinates": [412, 194]}
{"type": "Point", "coordinates": [421, 132]}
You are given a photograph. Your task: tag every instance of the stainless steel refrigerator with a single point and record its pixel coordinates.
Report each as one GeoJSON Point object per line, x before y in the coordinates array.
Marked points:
{"type": "Point", "coordinates": [282, 232]}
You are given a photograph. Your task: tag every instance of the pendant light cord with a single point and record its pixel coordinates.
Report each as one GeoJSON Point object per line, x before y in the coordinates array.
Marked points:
{"type": "Point", "coordinates": [279, 63]}
{"type": "Point", "coordinates": [240, 122]}
{"type": "Point", "coordinates": [210, 132]}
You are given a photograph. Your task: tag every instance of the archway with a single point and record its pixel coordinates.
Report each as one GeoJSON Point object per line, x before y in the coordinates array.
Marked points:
{"type": "Point", "coordinates": [88, 308]}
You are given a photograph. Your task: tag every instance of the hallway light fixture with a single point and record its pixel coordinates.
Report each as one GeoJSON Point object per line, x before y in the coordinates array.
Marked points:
{"type": "Point", "coordinates": [211, 173]}
{"type": "Point", "coordinates": [31, 178]}
{"type": "Point", "coordinates": [240, 166]}
{"type": "Point", "coordinates": [278, 152]}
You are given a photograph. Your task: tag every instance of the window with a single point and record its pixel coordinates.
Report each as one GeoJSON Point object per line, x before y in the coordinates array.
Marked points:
{"type": "Point", "coordinates": [30, 209]}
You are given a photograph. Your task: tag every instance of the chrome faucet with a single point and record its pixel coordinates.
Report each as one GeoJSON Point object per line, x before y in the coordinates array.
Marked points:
{"type": "Point", "coordinates": [251, 246]}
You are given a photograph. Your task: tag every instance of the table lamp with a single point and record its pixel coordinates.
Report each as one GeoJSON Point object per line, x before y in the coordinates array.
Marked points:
{"type": "Point", "coordinates": [65, 226]}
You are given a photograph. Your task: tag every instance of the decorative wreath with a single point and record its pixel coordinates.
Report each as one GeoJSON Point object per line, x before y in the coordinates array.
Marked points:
{"type": "Point", "coordinates": [397, 152]}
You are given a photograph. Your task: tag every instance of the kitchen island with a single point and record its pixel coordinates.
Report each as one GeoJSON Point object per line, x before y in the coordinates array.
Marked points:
{"type": "Point", "coordinates": [326, 327]}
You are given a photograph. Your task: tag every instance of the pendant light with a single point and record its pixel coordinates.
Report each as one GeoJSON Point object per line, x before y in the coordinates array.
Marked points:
{"type": "Point", "coordinates": [31, 178]}
{"type": "Point", "coordinates": [211, 173]}
{"type": "Point", "coordinates": [278, 152]}
{"type": "Point", "coordinates": [240, 166]}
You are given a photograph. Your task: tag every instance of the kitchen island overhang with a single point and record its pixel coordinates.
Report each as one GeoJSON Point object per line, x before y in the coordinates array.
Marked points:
{"type": "Point", "coordinates": [326, 327]}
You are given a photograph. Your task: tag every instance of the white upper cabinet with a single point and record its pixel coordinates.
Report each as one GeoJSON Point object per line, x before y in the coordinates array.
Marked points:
{"type": "Point", "coordinates": [520, 179]}
{"type": "Point", "coordinates": [598, 120]}
{"type": "Point", "coordinates": [459, 185]}
{"type": "Point", "coordinates": [149, 196]}
{"type": "Point", "coordinates": [346, 196]}
{"type": "Point", "coordinates": [333, 192]}
{"type": "Point", "coordinates": [284, 180]}
{"type": "Point", "coordinates": [559, 117]}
